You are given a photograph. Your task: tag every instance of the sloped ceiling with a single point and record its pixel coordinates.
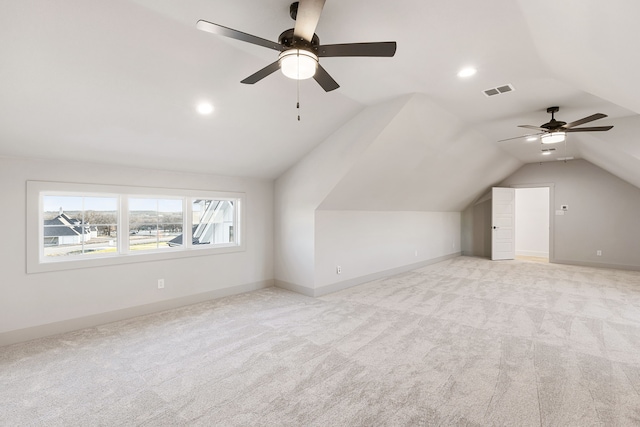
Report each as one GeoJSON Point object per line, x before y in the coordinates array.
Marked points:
{"type": "Point", "coordinates": [590, 44]}
{"type": "Point", "coordinates": [117, 82]}
{"type": "Point", "coordinates": [423, 160]}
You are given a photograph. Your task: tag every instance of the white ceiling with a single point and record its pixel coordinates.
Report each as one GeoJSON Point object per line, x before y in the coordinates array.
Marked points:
{"type": "Point", "coordinates": [117, 82]}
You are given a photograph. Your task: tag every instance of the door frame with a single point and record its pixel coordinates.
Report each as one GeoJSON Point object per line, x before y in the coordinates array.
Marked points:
{"type": "Point", "coordinates": [551, 186]}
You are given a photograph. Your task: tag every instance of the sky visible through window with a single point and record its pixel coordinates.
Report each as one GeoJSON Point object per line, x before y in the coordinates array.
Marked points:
{"type": "Point", "coordinates": [74, 203]}
{"type": "Point", "coordinates": [160, 205]}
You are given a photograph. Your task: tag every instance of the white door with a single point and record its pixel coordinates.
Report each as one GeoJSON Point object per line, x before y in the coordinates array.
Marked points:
{"type": "Point", "coordinates": [503, 231]}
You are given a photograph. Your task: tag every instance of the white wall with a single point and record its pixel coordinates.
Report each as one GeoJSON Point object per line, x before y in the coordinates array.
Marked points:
{"type": "Point", "coordinates": [532, 222]}
{"type": "Point", "coordinates": [363, 243]}
{"type": "Point", "coordinates": [34, 300]}
{"type": "Point", "coordinates": [300, 190]}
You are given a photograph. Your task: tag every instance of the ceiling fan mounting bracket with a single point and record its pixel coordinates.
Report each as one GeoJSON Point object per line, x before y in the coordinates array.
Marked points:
{"type": "Point", "coordinates": [553, 124]}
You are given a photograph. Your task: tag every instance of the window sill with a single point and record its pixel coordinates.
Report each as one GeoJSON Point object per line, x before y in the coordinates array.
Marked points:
{"type": "Point", "coordinates": [108, 260]}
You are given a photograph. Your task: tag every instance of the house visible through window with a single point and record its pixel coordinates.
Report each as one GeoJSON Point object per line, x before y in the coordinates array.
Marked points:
{"type": "Point", "coordinates": [78, 225]}
{"type": "Point", "coordinates": [212, 221]}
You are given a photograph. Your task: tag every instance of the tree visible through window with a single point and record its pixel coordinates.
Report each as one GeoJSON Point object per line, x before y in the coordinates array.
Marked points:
{"type": "Point", "coordinates": [153, 223]}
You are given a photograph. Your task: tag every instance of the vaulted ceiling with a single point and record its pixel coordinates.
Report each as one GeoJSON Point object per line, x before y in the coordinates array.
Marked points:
{"type": "Point", "coordinates": [117, 82]}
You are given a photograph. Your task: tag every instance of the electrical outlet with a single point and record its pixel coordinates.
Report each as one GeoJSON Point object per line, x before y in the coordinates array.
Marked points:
{"type": "Point", "coordinates": [599, 252]}
{"type": "Point", "coordinates": [160, 283]}
{"type": "Point", "coordinates": [338, 270]}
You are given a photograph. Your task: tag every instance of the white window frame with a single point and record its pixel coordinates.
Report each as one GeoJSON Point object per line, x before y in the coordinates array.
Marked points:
{"type": "Point", "coordinates": [38, 263]}
{"type": "Point", "coordinates": [125, 247]}
{"type": "Point", "coordinates": [190, 201]}
{"type": "Point", "coordinates": [72, 194]}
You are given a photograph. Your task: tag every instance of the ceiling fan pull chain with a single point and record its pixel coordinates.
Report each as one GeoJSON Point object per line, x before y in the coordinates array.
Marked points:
{"type": "Point", "coordinates": [298, 100]}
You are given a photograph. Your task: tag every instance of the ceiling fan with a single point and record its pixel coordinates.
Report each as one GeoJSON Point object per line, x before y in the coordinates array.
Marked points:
{"type": "Point", "coordinates": [555, 130]}
{"type": "Point", "coordinates": [300, 47]}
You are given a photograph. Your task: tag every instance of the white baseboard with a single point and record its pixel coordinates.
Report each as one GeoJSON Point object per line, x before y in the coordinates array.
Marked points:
{"type": "Point", "coordinates": [40, 331]}
{"type": "Point", "coordinates": [597, 265]}
{"type": "Point", "coordinates": [335, 287]}
{"type": "Point", "coordinates": [294, 288]}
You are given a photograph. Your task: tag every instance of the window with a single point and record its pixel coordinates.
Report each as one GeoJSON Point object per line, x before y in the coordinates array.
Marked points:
{"type": "Point", "coordinates": [79, 225]}
{"type": "Point", "coordinates": [155, 223]}
{"type": "Point", "coordinates": [82, 225]}
{"type": "Point", "coordinates": [213, 221]}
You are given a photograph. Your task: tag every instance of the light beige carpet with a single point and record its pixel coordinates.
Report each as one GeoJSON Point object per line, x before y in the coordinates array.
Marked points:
{"type": "Point", "coordinates": [532, 258]}
{"type": "Point", "coordinates": [463, 342]}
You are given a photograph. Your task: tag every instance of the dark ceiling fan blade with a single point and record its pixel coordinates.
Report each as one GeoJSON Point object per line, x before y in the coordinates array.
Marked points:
{"type": "Point", "coordinates": [238, 35]}
{"type": "Point", "coordinates": [591, 129]}
{"type": "Point", "coordinates": [520, 137]}
{"type": "Point", "coordinates": [585, 120]}
{"type": "Point", "coordinates": [307, 18]}
{"type": "Point", "coordinates": [256, 77]}
{"type": "Point", "coordinates": [325, 80]}
{"type": "Point", "coordinates": [383, 49]}
{"type": "Point", "coordinates": [533, 127]}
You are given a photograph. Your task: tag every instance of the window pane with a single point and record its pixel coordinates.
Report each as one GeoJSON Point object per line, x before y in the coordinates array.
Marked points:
{"type": "Point", "coordinates": [78, 225]}
{"type": "Point", "coordinates": [213, 221]}
{"type": "Point", "coordinates": [154, 223]}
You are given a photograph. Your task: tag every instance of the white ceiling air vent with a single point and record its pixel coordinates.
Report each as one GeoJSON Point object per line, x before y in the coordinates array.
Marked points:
{"type": "Point", "coordinates": [498, 90]}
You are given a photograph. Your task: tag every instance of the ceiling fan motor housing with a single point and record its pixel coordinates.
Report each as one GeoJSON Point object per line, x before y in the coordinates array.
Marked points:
{"type": "Point", "coordinates": [291, 42]}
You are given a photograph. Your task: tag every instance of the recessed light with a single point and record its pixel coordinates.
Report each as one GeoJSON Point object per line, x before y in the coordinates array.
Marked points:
{"type": "Point", "coordinates": [467, 72]}
{"type": "Point", "coordinates": [205, 108]}
{"type": "Point", "coordinates": [546, 153]}
{"type": "Point", "coordinates": [532, 138]}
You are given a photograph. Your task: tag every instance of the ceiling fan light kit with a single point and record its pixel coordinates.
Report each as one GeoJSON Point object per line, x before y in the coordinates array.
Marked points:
{"type": "Point", "coordinates": [552, 137]}
{"type": "Point", "coordinates": [298, 64]}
